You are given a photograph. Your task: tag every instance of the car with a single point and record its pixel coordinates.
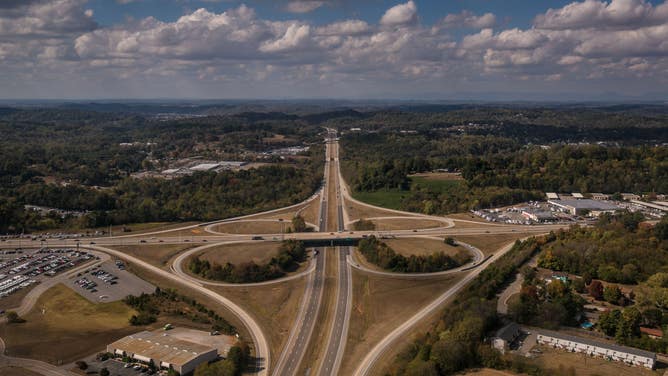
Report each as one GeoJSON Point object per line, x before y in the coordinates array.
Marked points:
{"type": "Point", "coordinates": [127, 365]}
{"type": "Point", "coordinates": [92, 243]}
{"type": "Point", "coordinates": [136, 368]}
{"type": "Point", "coordinates": [257, 238]}
{"type": "Point", "coordinates": [142, 241]}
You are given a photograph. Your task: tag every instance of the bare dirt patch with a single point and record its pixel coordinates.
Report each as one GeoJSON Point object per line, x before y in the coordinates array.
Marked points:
{"type": "Point", "coordinates": [16, 371]}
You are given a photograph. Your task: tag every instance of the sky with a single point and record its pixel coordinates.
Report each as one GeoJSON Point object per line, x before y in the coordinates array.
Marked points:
{"type": "Point", "coordinates": [339, 49]}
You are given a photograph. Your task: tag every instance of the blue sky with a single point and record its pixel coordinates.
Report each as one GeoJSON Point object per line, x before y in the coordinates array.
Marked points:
{"type": "Point", "coordinates": [409, 49]}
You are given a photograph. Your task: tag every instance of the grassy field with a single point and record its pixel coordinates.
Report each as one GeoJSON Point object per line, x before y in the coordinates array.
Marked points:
{"type": "Point", "coordinates": [274, 308]}
{"type": "Point", "coordinates": [390, 199]}
{"type": "Point", "coordinates": [435, 183]}
{"type": "Point", "coordinates": [420, 246]}
{"type": "Point", "coordinates": [381, 304]}
{"type": "Point", "coordinates": [259, 252]}
{"type": "Point", "coordinates": [157, 255]}
{"type": "Point", "coordinates": [14, 300]}
{"type": "Point", "coordinates": [583, 365]}
{"type": "Point", "coordinates": [61, 316]}
{"type": "Point", "coordinates": [406, 224]}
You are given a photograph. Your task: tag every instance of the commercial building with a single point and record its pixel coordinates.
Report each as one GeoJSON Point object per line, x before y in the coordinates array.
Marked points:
{"type": "Point", "coordinates": [628, 355]}
{"type": "Point", "coordinates": [506, 336]}
{"type": "Point", "coordinates": [539, 215]}
{"type": "Point", "coordinates": [552, 196]}
{"type": "Point", "coordinates": [164, 351]}
{"type": "Point", "coordinates": [600, 196]}
{"type": "Point", "coordinates": [579, 207]}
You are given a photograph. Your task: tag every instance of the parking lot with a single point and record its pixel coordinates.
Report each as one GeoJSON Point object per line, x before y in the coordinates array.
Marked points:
{"type": "Point", "coordinates": [20, 269]}
{"type": "Point", "coordinates": [108, 282]}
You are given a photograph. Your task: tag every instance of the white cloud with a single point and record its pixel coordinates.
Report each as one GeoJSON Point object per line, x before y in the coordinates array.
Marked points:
{"type": "Point", "coordinates": [466, 19]}
{"type": "Point", "coordinates": [303, 6]}
{"type": "Point", "coordinates": [296, 36]}
{"type": "Point", "coordinates": [402, 14]}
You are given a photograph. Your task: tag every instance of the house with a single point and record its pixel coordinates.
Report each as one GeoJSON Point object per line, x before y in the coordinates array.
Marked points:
{"type": "Point", "coordinates": [609, 351]}
{"type": "Point", "coordinates": [506, 336]}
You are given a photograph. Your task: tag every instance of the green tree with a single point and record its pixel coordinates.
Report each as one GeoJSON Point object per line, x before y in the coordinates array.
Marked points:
{"type": "Point", "coordinates": [104, 371]}
{"type": "Point", "coordinates": [609, 321]}
{"type": "Point", "coordinates": [612, 294]}
{"type": "Point", "coordinates": [629, 324]}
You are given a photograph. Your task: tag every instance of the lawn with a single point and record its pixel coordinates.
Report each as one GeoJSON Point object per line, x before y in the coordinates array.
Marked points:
{"type": "Point", "coordinates": [385, 198]}
{"type": "Point", "coordinates": [258, 252]}
{"type": "Point", "coordinates": [420, 246]}
{"type": "Point", "coordinates": [61, 316]}
{"type": "Point", "coordinates": [158, 254]}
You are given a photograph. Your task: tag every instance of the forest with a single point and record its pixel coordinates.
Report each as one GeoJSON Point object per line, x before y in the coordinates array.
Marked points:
{"type": "Point", "coordinates": [290, 255]}
{"type": "Point", "coordinates": [379, 253]}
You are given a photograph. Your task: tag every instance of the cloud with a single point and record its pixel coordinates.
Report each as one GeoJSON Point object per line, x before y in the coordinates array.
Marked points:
{"type": "Point", "coordinates": [466, 19]}
{"type": "Point", "coordinates": [597, 14]}
{"type": "Point", "coordinates": [295, 36]}
{"type": "Point", "coordinates": [303, 6]}
{"type": "Point", "coordinates": [48, 19]}
{"type": "Point", "coordinates": [402, 14]}
{"type": "Point", "coordinates": [348, 27]}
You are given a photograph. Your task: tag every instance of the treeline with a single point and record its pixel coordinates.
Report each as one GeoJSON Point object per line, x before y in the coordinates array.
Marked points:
{"type": "Point", "coordinates": [619, 249]}
{"type": "Point", "coordinates": [169, 302]}
{"type": "Point", "coordinates": [290, 254]}
{"type": "Point", "coordinates": [456, 341]}
{"type": "Point", "coordinates": [202, 196]}
{"type": "Point", "coordinates": [379, 253]}
{"type": "Point", "coordinates": [234, 364]}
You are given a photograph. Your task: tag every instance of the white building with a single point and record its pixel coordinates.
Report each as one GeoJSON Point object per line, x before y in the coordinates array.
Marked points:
{"type": "Point", "coordinates": [164, 351]}
{"type": "Point", "coordinates": [578, 207]}
{"type": "Point", "coordinates": [628, 355]}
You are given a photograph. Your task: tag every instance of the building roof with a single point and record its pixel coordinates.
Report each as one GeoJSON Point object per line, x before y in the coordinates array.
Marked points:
{"type": "Point", "coordinates": [591, 342]}
{"type": "Point", "coordinates": [161, 346]}
{"type": "Point", "coordinates": [205, 166]}
{"type": "Point", "coordinates": [577, 195]}
{"type": "Point", "coordinates": [586, 204]}
{"type": "Point", "coordinates": [552, 196]}
{"type": "Point", "coordinates": [508, 332]}
{"type": "Point", "coordinates": [651, 331]}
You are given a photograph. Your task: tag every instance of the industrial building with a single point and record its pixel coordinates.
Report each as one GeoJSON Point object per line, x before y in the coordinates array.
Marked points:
{"type": "Point", "coordinates": [164, 351]}
{"type": "Point", "coordinates": [579, 207]}
{"type": "Point", "coordinates": [628, 355]}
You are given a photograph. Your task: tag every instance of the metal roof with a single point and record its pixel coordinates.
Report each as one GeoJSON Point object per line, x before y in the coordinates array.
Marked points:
{"type": "Point", "coordinates": [508, 332]}
{"type": "Point", "coordinates": [161, 346]}
{"type": "Point", "coordinates": [586, 204]}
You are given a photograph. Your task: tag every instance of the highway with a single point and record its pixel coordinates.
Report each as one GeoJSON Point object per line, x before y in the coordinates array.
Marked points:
{"type": "Point", "coordinates": [338, 332]}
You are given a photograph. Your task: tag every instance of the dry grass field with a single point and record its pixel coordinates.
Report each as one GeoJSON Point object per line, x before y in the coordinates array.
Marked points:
{"type": "Point", "coordinates": [583, 365]}
{"type": "Point", "coordinates": [356, 211]}
{"type": "Point", "coordinates": [274, 308]}
{"type": "Point", "coordinates": [14, 300]}
{"type": "Point", "coordinates": [259, 252]}
{"type": "Point", "coordinates": [254, 227]}
{"type": "Point", "coordinates": [489, 244]}
{"type": "Point", "coordinates": [406, 224]}
{"type": "Point", "coordinates": [420, 246]}
{"type": "Point", "coordinates": [156, 254]}
{"type": "Point", "coordinates": [438, 176]}
{"type": "Point", "coordinates": [381, 304]}
{"type": "Point", "coordinates": [16, 371]}
{"type": "Point", "coordinates": [61, 316]}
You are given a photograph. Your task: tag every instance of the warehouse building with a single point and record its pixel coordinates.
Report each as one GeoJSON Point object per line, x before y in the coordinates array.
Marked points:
{"type": "Point", "coordinates": [628, 355]}
{"type": "Point", "coordinates": [579, 207]}
{"type": "Point", "coordinates": [164, 351]}
{"type": "Point", "coordinates": [505, 336]}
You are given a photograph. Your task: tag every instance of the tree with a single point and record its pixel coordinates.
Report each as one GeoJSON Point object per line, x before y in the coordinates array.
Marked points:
{"type": "Point", "coordinates": [612, 294]}
{"type": "Point", "coordinates": [596, 289]}
{"type": "Point", "coordinates": [450, 241]}
{"type": "Point", "coordinates": [608, 321]}
{"type": "Point", "coordinates": [104, 372]}
{"type": "Point", "coordinates": [629, 325]}
{"type": "Point", "coordinates": [81, 365]}
{"type": "Point", "coordinates": [298, 224]}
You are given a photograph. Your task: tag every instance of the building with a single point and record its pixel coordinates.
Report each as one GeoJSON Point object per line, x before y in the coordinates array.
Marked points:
{"type": "Point", "coordinates": [585, 206]}
{"type": "Point", "coordinates": [653, 333]}
{"type": "Point", "coordinates": [600, 196]}
{"type": "Point", "coordinates": [552, 196]}
{"type": "Point", "coordinates": [656, 205]}
{"type": "Point", "coordinates": [205, 167]}
{"type": "Point", "coordinates": [539, 215]}
{"type": "Point", "coordinates": [577, 195]}
{"type": "Point", "coordinates": [506, 336]}
{"type": "Point", "coordinates": [164, 351]}
{"type": "Point", "coordinates": [630, 196]}
{"type": "Point", "coordinates": [628, 355]}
